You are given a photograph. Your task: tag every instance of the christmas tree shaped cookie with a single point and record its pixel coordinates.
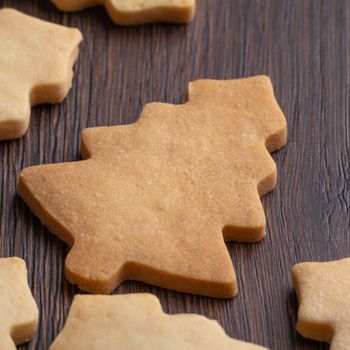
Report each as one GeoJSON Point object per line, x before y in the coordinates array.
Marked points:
{"type": "Point", "coordinates": [36, 63]}
{"type": "Point", "coordinates": [133, 12]}
{"type": "Point", "coordinates": [323, 293]}
{"type": "Point", "coordinates": [18, 311]}
{"type": "Point", "coordinates": [137, 322]}
{"type": "Point", "coordinates": [155, 200]}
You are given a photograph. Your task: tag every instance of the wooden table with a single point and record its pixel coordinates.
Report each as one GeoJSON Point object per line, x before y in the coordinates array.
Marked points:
{"type": "Point", "coordinates": [303, 46]}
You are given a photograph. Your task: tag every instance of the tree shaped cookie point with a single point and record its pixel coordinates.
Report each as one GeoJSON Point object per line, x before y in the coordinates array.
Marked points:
{"type": "Point", "coordinates": [137, 321]}
{"type": "Point", "coordinates": [134, 12]}
{"type": "Point", "coordinates": [324, 301]}
{"type": "Point", "coordinates": [153, 201]}
{"type": "Point", "coordinates": [18, 310]}
{"type": "Point", "coordinates": [35, 67]}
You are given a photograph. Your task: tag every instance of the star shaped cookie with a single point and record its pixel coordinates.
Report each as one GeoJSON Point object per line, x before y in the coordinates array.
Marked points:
{"type": "Point", "coordinates": [36, 63]}
{"type": "Point", "coordinates": [134, 12]}
{"type": "Point", "coordinates": [154, 201]}
{"type": "Point", "coordinates": [18, 310]}
{"type": "Point", "coordinates": [137, 322]}
{"type": "Point", "coordinates": [324, 301]}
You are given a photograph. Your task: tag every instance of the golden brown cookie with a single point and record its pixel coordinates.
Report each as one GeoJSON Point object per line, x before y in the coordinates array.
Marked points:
{"type": "Point", "coordinates": [18, 310]}
{"type": "Point", "coordinates": [36, 63]}
{"type": "Point", "coordinates": [137, 322]}
{"type": "Point", "coordinates": [154, 200]}
{"type": "Point", "coordinates": [324, 301]}
{"type": "Point", "coordinates": [134, 12]}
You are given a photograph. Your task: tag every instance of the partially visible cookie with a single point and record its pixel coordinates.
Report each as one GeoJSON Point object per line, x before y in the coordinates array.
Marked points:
{"type": "Point", "coordinates": [6, 342]}
{"type": "Point", "coordinates": [323, 291]}
{"type": "Point", "coordinates": [134, 12]}
{"type": "Point", "coordinates": [18, 310]}
{"type": "Point", "coordinates": [36, 63]}
{"type": "Point", "coordinates": [137, 322]}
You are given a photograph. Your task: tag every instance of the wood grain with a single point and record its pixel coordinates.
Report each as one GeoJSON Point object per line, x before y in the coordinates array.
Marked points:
{"type": "Point", "coordinates": [303, 46]}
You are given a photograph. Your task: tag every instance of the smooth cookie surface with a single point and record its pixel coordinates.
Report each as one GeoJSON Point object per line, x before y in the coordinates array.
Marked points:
{"type": "Point", "coordinates": [324, 301]}
{"type": "Point", "coordinates": [134, 12]}
{"type": "Point", "coordinates": [154, 200]}
{"type": "Point", "coordinates": [36, 63]}
{"type": "Point", "coordinates": [18, 310]}
{"type": "Point", "coordinates": [137, 322]}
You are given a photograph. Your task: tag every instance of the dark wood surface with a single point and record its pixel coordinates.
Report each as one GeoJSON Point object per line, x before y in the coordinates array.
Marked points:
{"type": "Point", "coordinates": [304, 46]}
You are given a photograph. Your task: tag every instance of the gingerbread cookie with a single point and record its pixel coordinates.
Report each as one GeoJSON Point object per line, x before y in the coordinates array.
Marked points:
{"type": "Point", "coordinates": [323, 293]}
{"type": "Point", "coordinates": [137, 322]}
{"type": "Point", "coordinates": [36, 63]}
{"type": "Point", "coordinates": [18, 310]}
{"type": "Point", "coordinates": [154, 200]}
{"type": "Point", "coordinates": [134, 12]}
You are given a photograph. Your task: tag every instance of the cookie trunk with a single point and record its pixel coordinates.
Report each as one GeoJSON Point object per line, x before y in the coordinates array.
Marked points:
{"type": "Point", "coordinates": [159, 14]}
{"type": "Point", "coordinates": [146, 274]}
